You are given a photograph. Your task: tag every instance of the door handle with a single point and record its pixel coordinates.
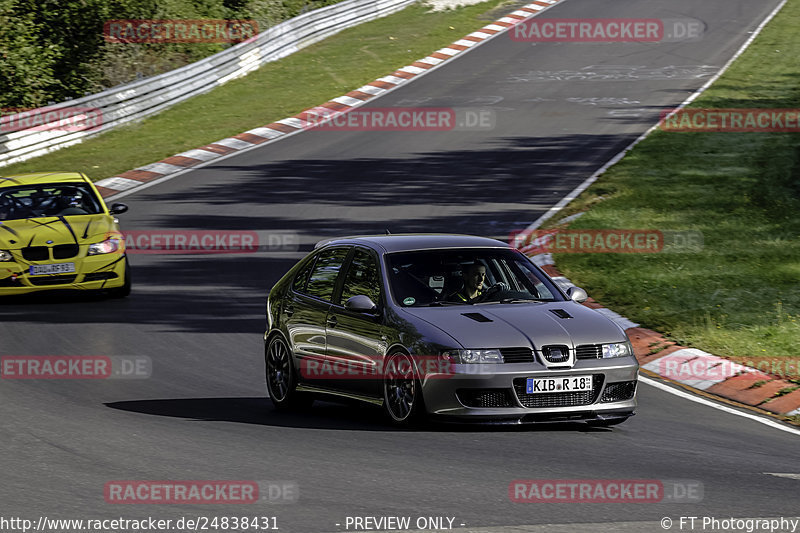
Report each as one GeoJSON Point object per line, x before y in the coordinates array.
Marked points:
{"type": "Point", "coordinates": [289, 310]}
{"type": "Point", "coordinates": [332, 321]}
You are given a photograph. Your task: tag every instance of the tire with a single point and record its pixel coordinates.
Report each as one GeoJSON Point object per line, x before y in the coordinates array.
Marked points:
{"type": "Point", "coordinates": [125, 290]}
{"type": "Point", "coordinates": [281, 377]}
{"type": "Point", "coordinates": [402, 391]}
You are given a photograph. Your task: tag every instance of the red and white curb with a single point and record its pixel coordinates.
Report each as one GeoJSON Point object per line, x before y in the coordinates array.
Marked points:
{"type": "Point", "coordinates": [693, 368]}
{"type": "Point", "coordinates": [127, 181]}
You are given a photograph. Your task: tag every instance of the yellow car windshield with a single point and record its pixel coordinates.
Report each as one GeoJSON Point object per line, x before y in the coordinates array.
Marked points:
{"type": "Point", "coordinates": [48, 200]}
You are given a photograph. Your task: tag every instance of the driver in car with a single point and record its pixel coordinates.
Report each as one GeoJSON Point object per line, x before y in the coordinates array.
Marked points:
{"type": "Point", "coordinates": [6, 207]}
{"type": "Point", "coordinates": [474, 276]}
{"type": "Point", "coordinates": [71, 203]}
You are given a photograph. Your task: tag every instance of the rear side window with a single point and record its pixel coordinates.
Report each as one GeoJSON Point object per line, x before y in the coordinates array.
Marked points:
{"type": "Point", "coordinates": [362, 277]}
{"type": "Point", "coordinates": [322, 280]}
{"type": "Point", "coordinates": [299, 283]}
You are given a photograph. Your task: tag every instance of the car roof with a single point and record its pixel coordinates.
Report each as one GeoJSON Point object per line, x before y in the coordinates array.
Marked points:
{"type": "Point", "coordinates": [416, 241]}
{"type": "Point", "coordinates": [36, 178]}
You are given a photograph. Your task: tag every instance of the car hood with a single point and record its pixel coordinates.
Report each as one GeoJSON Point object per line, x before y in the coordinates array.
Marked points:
{"type": "Point", "coordinates": [532, 324]}
{"type": "Point", "coordinates": [83, 229]}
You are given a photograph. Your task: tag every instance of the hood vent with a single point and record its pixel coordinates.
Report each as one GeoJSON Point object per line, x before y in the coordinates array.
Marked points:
{"type": "Point", "coordinates": [560, 313]}
{"type": "Point", "coordinates": [477, 317]}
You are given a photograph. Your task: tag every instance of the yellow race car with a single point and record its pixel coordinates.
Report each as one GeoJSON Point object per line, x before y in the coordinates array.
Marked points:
{"type": "Point", "coordinates": [57, 233]}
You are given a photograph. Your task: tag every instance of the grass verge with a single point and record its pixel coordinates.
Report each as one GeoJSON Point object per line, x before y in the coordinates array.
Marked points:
{"type": "Point", "coordinates": [277, 90]}
{"type": "Point", "coordinates": [738, 296]}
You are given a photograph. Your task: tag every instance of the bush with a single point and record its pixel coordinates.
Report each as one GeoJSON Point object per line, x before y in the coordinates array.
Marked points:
{"type": "Point", "coordinates": [53, 50]}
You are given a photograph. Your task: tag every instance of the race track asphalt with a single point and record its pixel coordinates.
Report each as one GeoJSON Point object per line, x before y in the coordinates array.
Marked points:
{"type": "Point", "coordinates": [560, 110]}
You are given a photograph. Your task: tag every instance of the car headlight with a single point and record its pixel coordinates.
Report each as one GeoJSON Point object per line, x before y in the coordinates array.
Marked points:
{"type": "Point", "coordinates": [6, 256]}
{"type": "Point", "coordinates": [619, 349]}
{"type": "Point", "coordinates": [108, 246]}
{"type": "Point", "coordinates": [474, 356]}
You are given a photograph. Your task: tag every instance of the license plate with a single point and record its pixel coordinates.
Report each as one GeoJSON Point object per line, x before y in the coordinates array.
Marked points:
{"type": "Point", "coordinates": [559, 384]}
{"type": "Point", "coordinates": [55, 268]}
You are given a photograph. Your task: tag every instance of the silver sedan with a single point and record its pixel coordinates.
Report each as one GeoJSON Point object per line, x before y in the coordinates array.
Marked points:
{"type": "Point", "coordinates": [446, 327]}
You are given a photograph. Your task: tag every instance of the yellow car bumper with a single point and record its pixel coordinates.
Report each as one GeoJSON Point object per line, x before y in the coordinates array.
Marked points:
{"type": "Point", "coordinates": [96, 272]}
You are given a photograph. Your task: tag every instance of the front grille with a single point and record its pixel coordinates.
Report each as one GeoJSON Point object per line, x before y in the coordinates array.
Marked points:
{"type": "Point", "coordinates": [485, 397]}
{"type": "Point", "coordinates": [65, 251]}
{"type": "Point", "coordinates": [53, 280]}
{"type": "Point", "coordinates": [558, 399]}
{"type": "Point", "coordinates": [99, 276]}
{"type": "Point", "coordinates": [517, 355]}
{"type": "Point", "coordinates": [589, 351]}
{"type": "Point", "coordinates": [619, 392]}
{"type": "Point", "coordinates": [36, 253]}
{"type": "Point", "coordinates": [556, 354]}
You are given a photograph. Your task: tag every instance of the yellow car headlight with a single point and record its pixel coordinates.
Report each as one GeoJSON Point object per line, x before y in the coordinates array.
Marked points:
{"type": "Point", "coordinates": [108, 246]}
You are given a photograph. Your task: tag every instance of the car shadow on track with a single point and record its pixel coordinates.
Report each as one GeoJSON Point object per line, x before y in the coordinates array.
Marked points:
{"type": "Point", "coordinates": [322, 415]}
{"type": "Point", "coordinates": [187, 293]}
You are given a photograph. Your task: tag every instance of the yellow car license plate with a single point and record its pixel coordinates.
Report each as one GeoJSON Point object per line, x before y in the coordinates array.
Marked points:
{"type": "Point", "coordinates": [54, 268]}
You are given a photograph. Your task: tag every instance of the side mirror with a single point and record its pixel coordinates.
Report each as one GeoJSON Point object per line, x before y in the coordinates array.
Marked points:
{"type": "Point", "coordinates": [360, 304]}
{"type": "Point", "coordinates": [576, 294]}
{"type": "Point", "coordinates": [118, 209]}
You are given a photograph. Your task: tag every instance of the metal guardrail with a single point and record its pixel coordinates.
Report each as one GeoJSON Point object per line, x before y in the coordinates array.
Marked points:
{"type": "Point", "coordinates": [136, 100]}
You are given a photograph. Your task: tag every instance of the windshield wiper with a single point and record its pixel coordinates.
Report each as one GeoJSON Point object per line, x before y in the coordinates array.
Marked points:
{"type": "Point", "coordinates": [518, 300]}
{"type": "Point", "coordinates": [441, 303]}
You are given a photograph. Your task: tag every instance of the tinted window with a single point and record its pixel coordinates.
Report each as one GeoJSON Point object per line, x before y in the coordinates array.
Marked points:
{"type": "Point", "coordinates": [362, 277]}
{"type": "Point", "coordinates": [299, 283]}
{"type": "Point", "coordinates": [438, 277]}
{"type": "Point", "coordinates": [323, 278]}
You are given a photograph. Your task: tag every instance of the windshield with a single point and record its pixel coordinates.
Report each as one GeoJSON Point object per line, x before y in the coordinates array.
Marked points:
{"type": "Point", "coordinates": [48, 200]}
{"type": "Point", "coordinates": [466, 277]}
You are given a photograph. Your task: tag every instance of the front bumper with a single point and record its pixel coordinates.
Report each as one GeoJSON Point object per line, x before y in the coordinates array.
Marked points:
{"type": "Point", "coordinates": [96, 272]}
{"type": "Point", "coordinates": [606, 416]}
{"type": "Point", "coordinates": [496, 393]}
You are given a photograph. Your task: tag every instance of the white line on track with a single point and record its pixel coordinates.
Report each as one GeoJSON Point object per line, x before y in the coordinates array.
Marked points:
{"type": "Point", "coordinates": [614, 160]}
{"type": "Point", "coordinates": [778, 474]}
{"type": "Point", "coordinates": [709, 403]}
